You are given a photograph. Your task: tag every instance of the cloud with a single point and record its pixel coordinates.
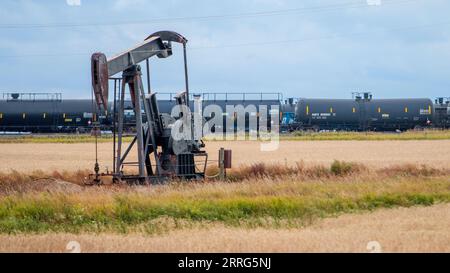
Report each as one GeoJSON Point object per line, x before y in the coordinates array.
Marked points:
{"type": "Point", "coordinates": [335, 51]}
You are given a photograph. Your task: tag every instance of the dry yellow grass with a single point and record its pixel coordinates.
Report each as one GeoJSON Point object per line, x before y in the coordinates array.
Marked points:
{"type": "Point", "coordinates": [419, 229]}
{"type": "Point", "coordinates": [267, 198]}
{"type": "Point", "coordinates": [49, 157]}
{"type": "Point", "coordinates": [398, 230]}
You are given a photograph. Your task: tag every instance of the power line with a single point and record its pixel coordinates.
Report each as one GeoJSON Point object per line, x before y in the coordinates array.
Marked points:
{"type": "Point", "coordinates": [329, 37]}
{"type": "Point", "coordinates": [257, 43]}
{"type": "Point", "coordinates": [359, 4]}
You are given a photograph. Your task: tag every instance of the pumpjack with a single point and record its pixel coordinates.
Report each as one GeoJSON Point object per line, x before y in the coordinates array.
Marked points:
{"type": "Point", "coordinates": [160, 155]}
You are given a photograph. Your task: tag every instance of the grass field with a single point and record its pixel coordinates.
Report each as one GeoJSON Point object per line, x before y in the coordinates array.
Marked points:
{"type": "Point", "coordinates": [257, 196]}
{"type": "Point", "coordinates": [306, 196]}
{"type": "Point", "coordinates": [27, 157]}
{"type": "Point", "coordinates": [296, 136]}
{"type": "Point", "coordinates": [58, 138]}
{"type": "Point", "coordinates": [415, 229]}
{"type": "Point", "coordinates": [370, 136]}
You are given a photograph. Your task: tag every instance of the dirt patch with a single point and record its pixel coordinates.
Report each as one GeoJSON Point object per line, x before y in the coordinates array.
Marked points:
{"type": "Point", "coordinates": [56, 186]}
{"type": "Point", "coordinates": [49, 185]}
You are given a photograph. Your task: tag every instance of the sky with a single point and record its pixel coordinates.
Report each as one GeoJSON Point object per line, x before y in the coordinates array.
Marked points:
{"type": "Point", "coordinates": [308, 49]}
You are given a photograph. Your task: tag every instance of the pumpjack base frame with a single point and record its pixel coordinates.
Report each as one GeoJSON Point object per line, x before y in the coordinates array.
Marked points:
{"type": "Point", "coordinates": [152, 180]}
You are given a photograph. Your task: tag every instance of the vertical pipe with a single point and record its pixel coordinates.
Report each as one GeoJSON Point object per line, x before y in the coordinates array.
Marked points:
{"type": "Point", "coordinates": [221, 164]}
{"type": "Point", "coordinates": [120, 123]}
{"type": "Point", "coordinates": [114, 124]}
{"type": "Point", "coordinates": [186, 73]}
{"type": "Point", "coordinates": [187, 85]}
{"type": "Point", "coordinates": [147, 62]}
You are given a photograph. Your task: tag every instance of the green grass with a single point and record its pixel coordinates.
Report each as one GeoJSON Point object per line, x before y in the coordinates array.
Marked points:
{"type": "Point", "coordinates": [368, 136]}
{"type": "Point", "coordinates": [271, 203]}
{"type": "Point", "coordinates": [57, 139]}
{"type": "Point", "coordinates": [297, 136]}
{"type": "Point", "coordinates": [410, 135]}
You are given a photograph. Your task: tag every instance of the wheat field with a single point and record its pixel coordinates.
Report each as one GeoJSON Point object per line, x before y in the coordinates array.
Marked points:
{"type": "Point", "coordinates": [319, 205]}
{"type": "Point", "coordinates": [80, 156]}
{"type": "Point", "coordinates": [418, 229]}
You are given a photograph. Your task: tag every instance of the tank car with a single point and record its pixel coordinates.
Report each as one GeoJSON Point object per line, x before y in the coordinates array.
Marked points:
{"type": "Point", "coordinates": [19, 112]}
{"type": "Point", "coordinates": [364, 114]}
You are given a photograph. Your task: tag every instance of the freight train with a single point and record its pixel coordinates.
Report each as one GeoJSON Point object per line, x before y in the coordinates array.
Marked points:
{"type": "Point", "coordinates": [363, 113]}
{"type": "Point", "coordinates": [49, 113]}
